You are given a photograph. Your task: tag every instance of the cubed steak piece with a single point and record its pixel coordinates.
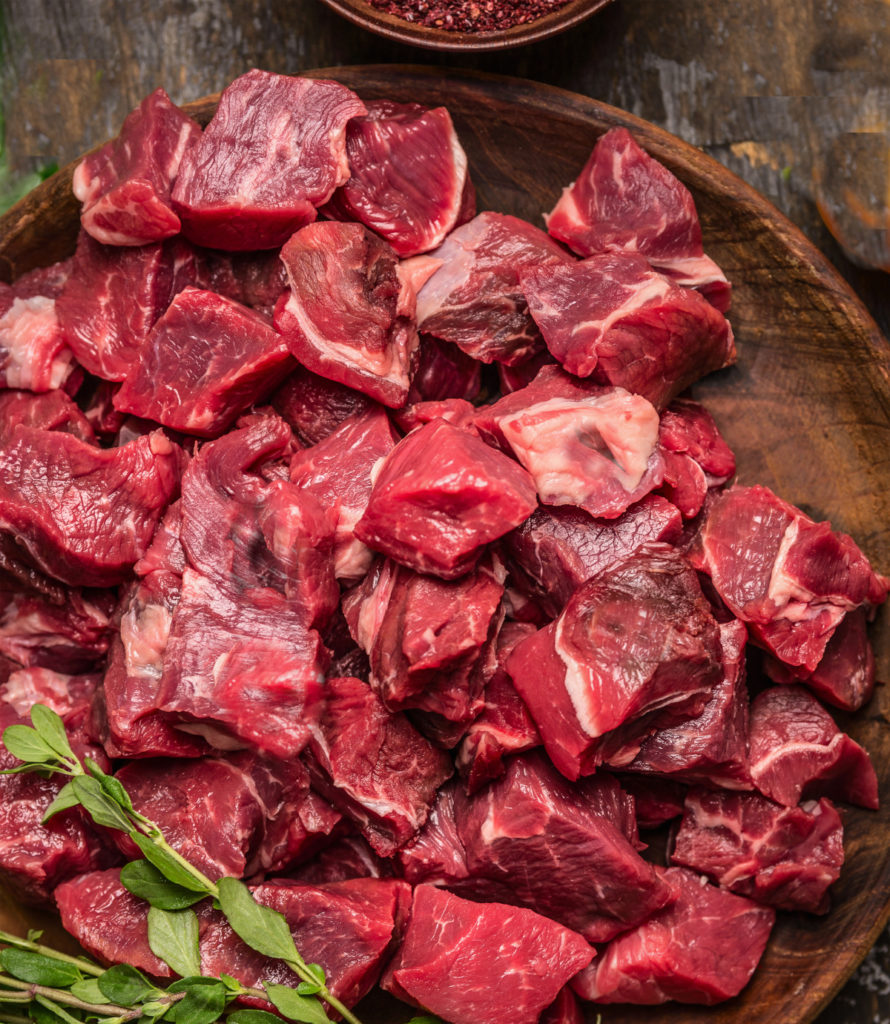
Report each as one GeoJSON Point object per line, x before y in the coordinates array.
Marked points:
{"type": "Point", "coordinates": [798, 751]}
{"type": "Point", "coordinates": [351, 857]}
{"type": "Point", "coordinates": [274, 151]}
{"type": "Point", "coordinates": [34, 349]}
{"type": "Point", "coordinates": [436, 854]}
{"type": "Point", "coordinates": [205, 361]}
{"type": "Point", "coordinates": [408, 175]}
{"type": "Point", "coordinates": [48, 281]}
{"type": "Point", "coordinates": [565, 1009]}
{"type": "Point", "coordinates": [69, 696]}
{"type": "Point", "coordinates": [444, 371]}
{"type": "Point", "coordinates": [696, 458]}
{"type": "Point", "coordinates": [69, 637]}
{"type": "Point", "coordinates": [790, 579]}
{"type": "Point", "coordinates": [786, 857]}
{"type": "Point", "coordinates": [374, 765]}
{"type": "Point", "coordinates": [702, 947]}
{"type": "Point", "coordinates": [467, 962]}
{"type": "Point", "coordinates": [82, 514]}
{"type": "Point", "coordinates": [125, 186]}
{"type": "Point", "coordinates": [614, 319]}
{"type": "Point", "coordinates": [656, 800]}
{"type": "Point", "coordinates": [635, 639]}
{"type": "Point", "coordinates": [474, 299]}
{"type": "Point", "coordinates": [625, 201]}
{"type": "Point", "coordinates": [315, 406]}
{"type": "Point", "coordinates": [440, 496]}
{"type": "Point", "coordinates": [52, 410]}
{"type": "Point", "coordinates": [350, 311]}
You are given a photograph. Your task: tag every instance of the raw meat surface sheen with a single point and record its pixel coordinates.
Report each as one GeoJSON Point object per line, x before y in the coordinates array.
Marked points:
{"type": "Point", "coordinates": [125, 187]}
{"type": "Point", "coordinates": [34, 349]}
{"type": "Point", "coordinates": [52, 410]}
{"type": "Point", "coordinates": [444, 371]}
{"type": "Point", "coordinates": [274, 151]}
{"type": "Point", "coordinates": [408, 173]}
{"type": "Point", "coordinates": [315, 406]}
{"type": "Point", "coordinates": [696, 458]}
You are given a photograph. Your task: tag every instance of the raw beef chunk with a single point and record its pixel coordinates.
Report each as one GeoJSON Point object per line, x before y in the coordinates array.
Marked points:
{"type": "Point", "coordinates": [34, 350]}
{"type": "Point", "coordinates": [466, 962]}
{"type": "Point", "coordinates": [614, 319]}
{"type": "Point", "coordinates": [443, 372]}
{"type": "Point", "coordinates": [81, 514]}
{"type": "Point", "coordinates": [274, 151]}
{"type": "Point", "coordinates": [48, 281]}
{"type": "Point", "coordinates": [797, 750]}
{"type": "Point", "coordinates": [338, 471]}
{"type": "Point", "coordinates": [702, 948]}
{"type": "Point", "coordinates": [583, 444]}
{"type": "Point", "coordinates": [254, 279]}
{"type": "Point", "coordinates": [315, 406]}
{"type": "Point", "coordinates": [350, 312]}
{"type": "Point", "coordinates": [205, 361]}
{"type": "Point", "coordinates": [474, 299]}
{"type": "Point", "coordinates": [456, 411]}
{"type": "Point", "coordinates": [625, 201]}
{"type": "Point", "coordinates": [427, 639]}
{"type": "Point", "coordinates": [437, 855]}
{"type": "Point", "coordinates": [408, 174]}
{"type": "Point", "coordinates": [786, 857]}
{"type": "Point", "coordinates": [712, 747]}
{"type": "Point", "coordinates": [440, 497]}
{"type": "Point", "coordinates": [52, 410]}
{"type": "Point", "coordinates": [348, 858]}
{"type": "Point", "coordinates": [125, 186]}
{"type": "Point", "coordinates": [695, 455]}
{"type": "Point", "coordinates": [375, 766]}
{"type": "Point", "coordinates": [565, 1009]}
{"type": "Point", "coordinates": [656, 800]}
{"type": "Point", "coordinates": [790, 578]}
{"type": "Point", "coordinates": [68, 695]}
{"type": "Point", "coordinates": [635, 639]}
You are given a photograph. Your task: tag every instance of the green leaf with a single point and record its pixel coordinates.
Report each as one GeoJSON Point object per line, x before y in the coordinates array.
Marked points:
{"type": "Point", "coordinates": [88, 991]}
{"type": "Point", "coordinates": [316, 971]}
{"type": "Point", "coordinates": [124, 985]}
{"type": "Point", "coordinates": [23, 742]}
{"type": "Point", "coordinates": [55, 1013]}
{"type": "Point", "coordinates": [51, 729]}
{"type": "Point", "coordinates": [262, 928]}
{"type": "Point", "coordinates": [169, 866]}
{"type": "Point", "coordinates": [65, 799]}
{"type": "Point", "coordinates": [173, 937]}
{"type": "Point", "coordinates": [35, 934]}
{"type": "Point", "coordinates": [100, 807]}
{"type": "Point", "coordinates": [252, 1017]}
{"type": "Point", "coordinates": [204, 1002]}
{"type": "Point", "coordinates": [37, 969]}
{"type": "Point", "coordinates": [110, 784]}
{"type": "Point", "coordinates": [232, 984]}
{"type": "Point", "coordinates": [306, 988]}
{"type": "Point", "coordinates": [288, 1001]}
{"type": "Point", "coordinates": [144, 880]}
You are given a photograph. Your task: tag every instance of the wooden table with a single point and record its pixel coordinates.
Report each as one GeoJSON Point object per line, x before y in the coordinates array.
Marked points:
{"type": "Point", "coordinates": [792, 95]}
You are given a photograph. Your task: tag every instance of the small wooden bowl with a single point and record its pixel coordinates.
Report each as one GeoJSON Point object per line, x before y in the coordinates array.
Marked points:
{"type": "Point", "coordinates": [389, 26]}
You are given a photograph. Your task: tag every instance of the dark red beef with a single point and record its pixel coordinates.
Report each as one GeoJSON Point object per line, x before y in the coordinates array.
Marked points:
{"type": "Point", "coordinates": [374, 765]}
{"type": "Point", "coordinates": [440, 496]}
{"type": "Point", "coordinates": [701, 948]}
{"type": "Point", "coordinates": [637, 638]}
{"type": "Point", "coordinates": [456, 411]}
{"type": "Point", "coordinates": [348, 858]}
{"type": "Point", "coordinates": [274, 151]}
{"type": "Point", "coordinates": [614, 319]}
{"type": "Point", "coordinates": [338, 471]}
{"type": "Point", "coordinates": [254, 279]}
{"type": "Point", "coordinates": [408, 174]}
{"type": "Point", "coordinates": [466, 962]}
{"type": "Point", "coordinates": [565, 1009]}
{"type": "Point", "coordinates": [81, 514]}
{"type": "Point", "coordinates": [96, 398]}
{"type": "Point", "coordinates": [474, 299]}
{"type": "Point", "coordinates": [443, 372]}
{"type": "Point", "coordinates": [315, 406]}
{"type": "Point", "coordinates": [437, 855]}
{"type": "Point", "coordinates": [53, 410]}
{"type": "Point", "coordinates": [125, 186]}
{"type": "Point", "coordinates": [165, 553]}
{"type": "Point", "coordinates": [47, 281]}
{"type": "Point", "coordinates": [711, 748]}
{"type": "Point", "coordinates": [798, 751]}
{"type": "Point", "coordinates": [34, 348]}
{"type": "Point", "coordinates": [791, 579]}
{"type": "Point", "coordinates": [625, 201]}
{"type": "Point", "coordinates": [206, 360]}
{"type": "Point", "coordinates": [512, 378]}
{"type": "Point", "coordinates": [786, 857]}
{"type": "Point", "coordinates": [350, 312]}
{"type": "Point", "coordinates": [656, 800]}
{"type": "Point", "coordinates": [696, 458]}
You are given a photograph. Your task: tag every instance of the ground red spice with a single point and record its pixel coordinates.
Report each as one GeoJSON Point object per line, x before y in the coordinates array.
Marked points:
{"type": "Point", "coordinates": [469, 15]}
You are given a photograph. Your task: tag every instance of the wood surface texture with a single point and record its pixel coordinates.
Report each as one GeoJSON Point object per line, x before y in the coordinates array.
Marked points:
{"type": "Point", "coordinates": [773, 90]}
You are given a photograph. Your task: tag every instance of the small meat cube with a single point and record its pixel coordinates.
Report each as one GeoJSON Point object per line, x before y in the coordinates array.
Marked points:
{"type": "Point", "coordinates": [52, 410]}
{"type": "Point", "coordinates": [254, 279]}
{"type": "Point", "coordinates": [34, 349]}
{"type": "Point", "coordinates": [69, 637]}
{"type": "Point", "coordinates": [444, 371]}
{"type": "Point", "coordinates": [656, 800]}
{"type": "Point", "coordinates": [696, 458]}
{"type": "Point", "coordinates": [348, 858]}
{"type": "Point", "coordinates": [437, 855]}
{"type": "Point", "coordinates": [315, 406]}
{"type": "Point", "coordinates": [565, 1009]}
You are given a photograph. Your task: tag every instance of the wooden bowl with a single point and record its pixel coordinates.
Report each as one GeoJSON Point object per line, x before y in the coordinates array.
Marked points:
{"type": "Point", "coordinates": [399, 30]}
{"type": "Point", "coordinates": [807, 411]}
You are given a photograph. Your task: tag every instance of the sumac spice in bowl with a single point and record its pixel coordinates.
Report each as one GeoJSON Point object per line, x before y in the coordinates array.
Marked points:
{"type": "Point", "coordinates": [458, 25]}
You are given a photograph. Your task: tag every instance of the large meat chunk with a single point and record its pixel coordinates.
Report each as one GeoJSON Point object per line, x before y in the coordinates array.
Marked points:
{"type": "Point", "coordinates": [52, 410]}
{"type": "Point", "coordinates": [798, 751]}
{"type": "Point", "coordinates": [474, 298]}
{"type": "Point", "coordinates": [466, 962]}
{"type": "Point", "coordinates": [440, 496]}
{"type": "Point", "coordinates": [125, 186]}
{"type": "Point", "coordinates": [702, 948]}
{"type": "Point", "coordinates": [696, 458]}
{"type": "Point", "coordinates": [274, 151]}
{"type": "Point", "coordinates": [783, 856]}
{"type": "Point", "coordinates": [82, 514]}
{"type": "Point", "coordinates": [205, 361]}
{"type": "Point", "coordinates": [34, 349]}
{"type": "Point", "coordinates": [614, 319]}
{"type": "Point", "coordinates": [350, 312]}
{"type": "Point", "coordinates": [408, 175]}
{"type": "Point", "coordinates": [637, 638]}
{"type": "Point", "coordinates": [625, 201]}
{"type": "Point", "coordinates": [374, 765]}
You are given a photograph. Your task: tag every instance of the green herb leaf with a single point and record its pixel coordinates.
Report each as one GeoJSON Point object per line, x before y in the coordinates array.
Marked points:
{"type": "Point", "coordinates": [110, 784]}
{"type": "Point", "coordinates": [205, 1000]}
{"type": "Point", "coordinates": [252, 1017]}
{"type": "Point", "coordinates": [51, 729]}
{"type": "Point", "coordinates": [100, 807]}
{"type": "Point", "coordinates": [232, 984]}
{"type": "Point", "coordinates": [54, 1011]}
{"type": "Point", "coordinates": [262, 928]}
{"type": "Point", "coordinates": [39, 970]}
{"type": "Point", "coordinates": [289, 1002]}
{"type": "Point", "coordinates": [173, 937]}
{"type": "Point", "coordinates": [169, 867]}
{"type": "Point", "coordinates": [23, 742]}
{"type": "Point", "coordinates": [65, 799]}
{"type": "Point", "coordinates": [88, 991]}
{"type": "Point", "coordinates": [144, 880]}
{"type": "Point", "coordinates": [35, 934]}
{"type": "Point", "coordinates": [316, 971]}
{"type": "Point", "coordinates": [124, 985]}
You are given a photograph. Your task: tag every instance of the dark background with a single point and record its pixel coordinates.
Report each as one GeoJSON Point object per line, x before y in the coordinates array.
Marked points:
{"type": "Point", "coordinates": [792, 95]}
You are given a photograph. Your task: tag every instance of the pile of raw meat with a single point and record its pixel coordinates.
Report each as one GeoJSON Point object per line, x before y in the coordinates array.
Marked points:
{"type": "Point", "coordinates": [369, 539]}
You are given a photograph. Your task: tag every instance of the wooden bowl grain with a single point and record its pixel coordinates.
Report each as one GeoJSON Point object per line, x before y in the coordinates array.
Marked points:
{"type": "Point", "coordinates": [806, 409]}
